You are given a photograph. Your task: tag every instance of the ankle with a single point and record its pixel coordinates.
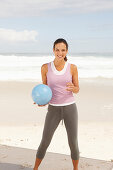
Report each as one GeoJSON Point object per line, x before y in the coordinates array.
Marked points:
{"type": "Point", "coordinates": [37, 163]}
{"type": "Point", "coordinates": [75, 164]}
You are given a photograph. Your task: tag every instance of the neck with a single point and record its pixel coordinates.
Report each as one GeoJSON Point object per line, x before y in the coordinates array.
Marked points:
{"type": "Point", "coordinates": [58, 62]}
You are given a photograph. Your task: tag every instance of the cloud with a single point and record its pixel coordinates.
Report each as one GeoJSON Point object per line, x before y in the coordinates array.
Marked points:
{"type": "Point", "coordinates": [86, 6]}
{"type": "Point", "coordinates": [24, 8]}
{"type": "Point", "coordinates": [12, 8]}
{"type": "Point", "coordinates": [11, 35]}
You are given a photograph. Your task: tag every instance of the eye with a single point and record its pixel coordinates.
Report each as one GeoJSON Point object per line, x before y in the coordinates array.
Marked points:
{"type": "Point", "coordinates": [57, 50]}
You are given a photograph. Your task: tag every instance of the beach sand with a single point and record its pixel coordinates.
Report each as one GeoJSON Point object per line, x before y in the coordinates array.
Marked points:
{"type": "Point", "coordinates": [94, 102]}
{"type": "Point", "coordinates": [13, 158]}
{"type": "Point", "coordinates": [21, 127]}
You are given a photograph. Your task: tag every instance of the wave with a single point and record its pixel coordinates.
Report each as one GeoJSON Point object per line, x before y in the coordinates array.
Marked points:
{"type": "Point", "coordinates": [23, 67]}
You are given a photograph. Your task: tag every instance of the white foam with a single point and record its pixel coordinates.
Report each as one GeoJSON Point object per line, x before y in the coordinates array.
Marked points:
{"type": "Point", "coordinates": [14, 67]}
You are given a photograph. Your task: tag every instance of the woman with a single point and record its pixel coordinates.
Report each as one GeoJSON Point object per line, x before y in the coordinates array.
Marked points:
{"type": "Point", "coordinates": [62, 78]}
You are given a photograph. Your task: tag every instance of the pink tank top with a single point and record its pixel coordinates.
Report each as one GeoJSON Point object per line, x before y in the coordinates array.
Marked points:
{"type": "Point", "coordinates": [57, 81]}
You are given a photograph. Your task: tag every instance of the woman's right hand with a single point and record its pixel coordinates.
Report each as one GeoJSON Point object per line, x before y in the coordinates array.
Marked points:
{"type": "Point", "coordinates": [40, 105]}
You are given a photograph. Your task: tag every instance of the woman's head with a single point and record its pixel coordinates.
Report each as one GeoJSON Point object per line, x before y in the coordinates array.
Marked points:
{"type": "Point", "coordinates": [60, 49]}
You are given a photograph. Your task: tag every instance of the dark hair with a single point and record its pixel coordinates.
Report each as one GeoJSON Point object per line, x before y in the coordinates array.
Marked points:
{"type": "Point", "coordinates": [61, 40]}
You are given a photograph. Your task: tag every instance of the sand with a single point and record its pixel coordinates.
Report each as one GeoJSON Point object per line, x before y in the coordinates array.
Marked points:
{"type": "Point", "coordinates": [21, 126]}
{"type": "Point", "coordinates": [13, 158]}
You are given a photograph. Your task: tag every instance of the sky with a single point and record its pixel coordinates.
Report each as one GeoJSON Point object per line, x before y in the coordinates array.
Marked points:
{"type": "Point", "coordinates": [32, 26]}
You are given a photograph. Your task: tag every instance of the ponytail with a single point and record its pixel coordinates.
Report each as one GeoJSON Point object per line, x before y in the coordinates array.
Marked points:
{"type": "Point", "coordinates": [65, 58]}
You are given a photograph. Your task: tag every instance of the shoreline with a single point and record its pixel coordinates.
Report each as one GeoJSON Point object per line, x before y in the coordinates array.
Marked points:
{"type": "Point", "coordinates": [20, 158]}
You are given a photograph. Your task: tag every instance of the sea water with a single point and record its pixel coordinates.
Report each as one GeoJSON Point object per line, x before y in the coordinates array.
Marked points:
{"type": "Point", "coordinates": [27, 67]}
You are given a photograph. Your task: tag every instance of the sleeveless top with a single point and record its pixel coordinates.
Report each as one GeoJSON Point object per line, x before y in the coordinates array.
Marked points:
{"type": "Point", "coordinates": [57, 81]}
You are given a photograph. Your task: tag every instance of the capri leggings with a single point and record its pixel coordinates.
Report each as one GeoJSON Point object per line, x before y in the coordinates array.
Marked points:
{"type": "Point", "coordinates": [53, 117]}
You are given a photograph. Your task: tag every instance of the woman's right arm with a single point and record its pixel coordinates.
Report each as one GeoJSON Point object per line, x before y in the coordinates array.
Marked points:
{"type": "Point", "coordinates": [44, 70]}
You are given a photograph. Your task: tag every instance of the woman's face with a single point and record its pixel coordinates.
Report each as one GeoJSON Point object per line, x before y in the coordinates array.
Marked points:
{"type": "Point", "coordinates": [60, 51]}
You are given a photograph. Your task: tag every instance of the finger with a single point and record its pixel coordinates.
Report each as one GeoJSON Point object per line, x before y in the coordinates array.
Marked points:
{"type": "Point", "coordinates": [69, 82]}
{"type": "Point", "coordinates": [69, 89]}
{"type": "Point", "coordinates": [40, 105]}
{"type": "Point", "coordinates": [70, 85]}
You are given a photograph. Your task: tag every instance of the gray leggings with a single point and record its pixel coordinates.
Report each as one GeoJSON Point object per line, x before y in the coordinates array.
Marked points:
{"type": "Point", "coordinates": [54, 115]}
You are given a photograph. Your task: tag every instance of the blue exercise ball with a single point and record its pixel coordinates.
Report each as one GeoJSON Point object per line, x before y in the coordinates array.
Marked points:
{"type": "Point", "coordinates": [41, 94]}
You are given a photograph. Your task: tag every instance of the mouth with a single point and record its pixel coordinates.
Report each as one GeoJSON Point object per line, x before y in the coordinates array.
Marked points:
{"type": "Point", "coordinates": [60, 56]}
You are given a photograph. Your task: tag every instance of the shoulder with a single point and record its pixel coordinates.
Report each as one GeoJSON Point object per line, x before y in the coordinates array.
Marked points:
{"type": "Point", "coordinates": [73, 68]}
{"type": "Point", "coordinates": [44, 68]}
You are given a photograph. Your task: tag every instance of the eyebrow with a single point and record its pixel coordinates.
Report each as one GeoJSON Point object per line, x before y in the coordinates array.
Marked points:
{"type": "Point", "coordinates": [62, 49]}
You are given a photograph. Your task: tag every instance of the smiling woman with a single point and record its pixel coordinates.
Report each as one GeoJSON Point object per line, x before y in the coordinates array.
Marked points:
{"type": "Point", "coordinates": [62, 78]}
{"type": "Point", "coordinates": [60, 44]}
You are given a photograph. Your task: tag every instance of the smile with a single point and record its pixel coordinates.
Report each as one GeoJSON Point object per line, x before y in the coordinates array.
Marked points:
{"type": "Point", "coordinates": [60, 56]}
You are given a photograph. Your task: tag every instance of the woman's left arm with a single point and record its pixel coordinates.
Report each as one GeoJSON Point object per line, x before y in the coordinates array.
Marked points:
{"type": "Point", "coordinates": [74, 86]}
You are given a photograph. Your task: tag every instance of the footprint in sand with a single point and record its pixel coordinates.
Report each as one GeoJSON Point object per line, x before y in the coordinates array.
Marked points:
{"type": "Point", "coordinates": [5, 156]}
{"type": "Point", "coordinates": [25, 165]}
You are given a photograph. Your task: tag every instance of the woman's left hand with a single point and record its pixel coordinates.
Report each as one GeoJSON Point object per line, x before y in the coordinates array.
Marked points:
{"type": "Point", "coordinates": [71, 87]}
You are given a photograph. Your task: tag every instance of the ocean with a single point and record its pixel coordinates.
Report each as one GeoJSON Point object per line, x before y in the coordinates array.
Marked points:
{"type": "Point", "coordinates": [27, 67]}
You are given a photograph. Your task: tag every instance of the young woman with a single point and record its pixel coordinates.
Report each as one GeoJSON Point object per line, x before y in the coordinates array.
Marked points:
{"type": "Point", "coordinates": [62, 78]}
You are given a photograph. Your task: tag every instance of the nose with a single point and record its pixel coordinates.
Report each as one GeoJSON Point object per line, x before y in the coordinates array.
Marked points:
{"type": "Point", "coordinates": [60, 52]}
